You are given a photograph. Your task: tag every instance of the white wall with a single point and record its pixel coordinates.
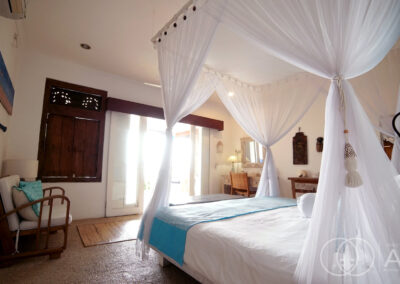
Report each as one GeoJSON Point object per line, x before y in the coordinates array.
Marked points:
{"type": "Point", "coordinates": [9, 52]}
{"type": "Point", "coordinates": [88, 199]}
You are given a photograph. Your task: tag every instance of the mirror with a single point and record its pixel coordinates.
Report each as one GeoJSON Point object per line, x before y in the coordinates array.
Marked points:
{"type": "Point", "coordinates": [253, 153]}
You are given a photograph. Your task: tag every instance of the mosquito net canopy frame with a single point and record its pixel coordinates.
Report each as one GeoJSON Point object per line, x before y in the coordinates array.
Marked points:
{"type": "Point", "coordinates": [358, 200]}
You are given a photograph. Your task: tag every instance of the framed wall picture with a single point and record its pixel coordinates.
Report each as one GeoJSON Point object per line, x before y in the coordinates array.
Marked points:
{"type": "Point", "coordinates": [6, 87]}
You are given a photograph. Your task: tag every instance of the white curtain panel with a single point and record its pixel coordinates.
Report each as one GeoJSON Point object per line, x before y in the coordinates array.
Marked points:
{"type": "Point", "coordinates": [181, 54]}
{"type": "Point", "coordinates": [377, 90]}
{"type": "Point", "coordinates": [361, 218]}
{"type": "Point", "coordinates": [396, 146]}
{"type": "Point", "coordinates": [269, 112]}
{"type": "Point", "coordinates": [338, 40]}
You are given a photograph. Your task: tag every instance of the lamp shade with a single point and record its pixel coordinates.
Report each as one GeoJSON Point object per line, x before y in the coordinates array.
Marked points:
{"type": "Point", "coordinates": [27, 169]}
{"type": "Point", "coordinates": [232, 158]}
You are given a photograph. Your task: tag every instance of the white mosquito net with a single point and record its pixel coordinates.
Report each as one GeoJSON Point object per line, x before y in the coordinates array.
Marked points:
{"type": "Point", "coordinates": [358, 200]}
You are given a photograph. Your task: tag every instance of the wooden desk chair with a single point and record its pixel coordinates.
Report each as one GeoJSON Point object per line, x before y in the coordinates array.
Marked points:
{"type": "Point", "coordinates": [240, 184]}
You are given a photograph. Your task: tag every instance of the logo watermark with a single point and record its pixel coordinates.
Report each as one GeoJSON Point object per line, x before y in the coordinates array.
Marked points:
{"type": "Point", "coordinates": [355, 257]}
{"type": "Point", "coordinates": [347, 257]}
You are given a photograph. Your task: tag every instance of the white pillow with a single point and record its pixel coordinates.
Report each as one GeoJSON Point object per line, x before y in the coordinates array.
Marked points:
{"type": "Point", "coordinates": [305, 203]}
{"type": "Point", "coordinates": [20, 199]}
{"type": "Point", "coordinates": [397, 178]}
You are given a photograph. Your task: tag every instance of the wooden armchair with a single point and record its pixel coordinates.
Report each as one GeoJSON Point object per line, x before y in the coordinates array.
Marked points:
{"type": "Point", "coordinates": [240, 184]}
{"type": "Point", "coordinates": [54, 215]}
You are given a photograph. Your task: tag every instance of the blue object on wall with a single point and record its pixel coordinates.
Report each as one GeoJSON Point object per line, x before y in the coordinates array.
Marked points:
{"type": "Point", "coordinates": [6, 87]}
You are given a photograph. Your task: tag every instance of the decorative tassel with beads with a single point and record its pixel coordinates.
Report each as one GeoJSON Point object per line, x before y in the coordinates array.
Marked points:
{"type": "Point", "coordinates": [353, 178]}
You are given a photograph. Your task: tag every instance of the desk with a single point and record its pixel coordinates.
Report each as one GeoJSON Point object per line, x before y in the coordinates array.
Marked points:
{"type": "Point", "coordinates": [303, 181]}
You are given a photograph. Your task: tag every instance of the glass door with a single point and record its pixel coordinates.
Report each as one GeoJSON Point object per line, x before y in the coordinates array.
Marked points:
{"type": "Point", "coordinates": [135, 152]}
{"type": "Point", "coordinates": [125, 171]}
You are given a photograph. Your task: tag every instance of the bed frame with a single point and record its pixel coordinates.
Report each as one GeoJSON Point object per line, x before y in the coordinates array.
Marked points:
{"type": "Point", "coordinates": [165, 260]}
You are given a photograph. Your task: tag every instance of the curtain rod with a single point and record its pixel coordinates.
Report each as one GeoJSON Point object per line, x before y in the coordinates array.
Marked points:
{"type": "Point", "coordinates": [174, 18]}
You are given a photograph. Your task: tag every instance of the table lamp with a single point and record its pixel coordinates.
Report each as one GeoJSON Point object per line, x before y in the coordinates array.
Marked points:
{"type": "Point", "coordinates": [232, 159]}
{"type": "Point", "coordinates": [26, 169]}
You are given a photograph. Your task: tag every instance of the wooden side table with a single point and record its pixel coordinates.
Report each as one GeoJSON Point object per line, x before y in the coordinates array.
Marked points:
{"type": "Point", "coordinates": [303, 180]}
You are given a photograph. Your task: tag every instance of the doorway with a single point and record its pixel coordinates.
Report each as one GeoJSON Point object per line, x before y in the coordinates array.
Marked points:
{"type": "Point", "coordinates": [135, 152]}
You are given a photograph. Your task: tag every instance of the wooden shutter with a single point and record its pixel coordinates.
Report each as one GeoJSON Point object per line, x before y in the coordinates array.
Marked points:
{"type": "Point", "coordinates": [86, 147]}
{"type": "Point", "coordinates": [58, 146]}
{"type": "Point", "coordinates": [72, 133]}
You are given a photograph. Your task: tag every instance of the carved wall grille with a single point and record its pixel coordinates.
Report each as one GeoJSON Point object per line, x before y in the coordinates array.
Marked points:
{"type": "Point", "coordinates": [60, 96]}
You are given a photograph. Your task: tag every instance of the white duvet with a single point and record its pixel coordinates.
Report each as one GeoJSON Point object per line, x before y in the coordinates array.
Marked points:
{"type": "Point", "coordinates": [257, 248]}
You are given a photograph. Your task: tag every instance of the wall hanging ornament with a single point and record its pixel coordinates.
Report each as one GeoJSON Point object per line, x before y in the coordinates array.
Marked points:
{"type": "Point", "coordinates": [300, 152]}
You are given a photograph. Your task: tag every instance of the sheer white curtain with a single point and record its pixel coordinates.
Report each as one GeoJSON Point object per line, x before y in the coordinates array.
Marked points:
{"type": "Point", "coordinates": [379, 93]}
{"type": "Point", "coordinates": [268, 112]}
{"type": "Point", "coordinates": [338, 40]}
{"type": "Point", "coordinates": [181, 53]}
{"type": "Point", "coordinates": [396, 146]}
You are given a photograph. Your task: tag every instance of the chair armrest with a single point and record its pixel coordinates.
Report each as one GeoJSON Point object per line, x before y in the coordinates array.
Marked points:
{"type": "Point", "coordinates": [50, 189]}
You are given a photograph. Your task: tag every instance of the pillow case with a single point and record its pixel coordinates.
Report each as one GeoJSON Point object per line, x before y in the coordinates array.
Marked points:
{"type": "Point", "coordinates": [33, 191]}
{"type": "Point", "coordinates": [20, 199]}
{"type": "Point", "coordinates": [305, 203]}
{"type": "Point", "coordinates": [397, 178]}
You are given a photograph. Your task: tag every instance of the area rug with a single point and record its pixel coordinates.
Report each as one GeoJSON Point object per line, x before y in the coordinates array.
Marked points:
{"type": "Point", "coordinates": [108, 232]}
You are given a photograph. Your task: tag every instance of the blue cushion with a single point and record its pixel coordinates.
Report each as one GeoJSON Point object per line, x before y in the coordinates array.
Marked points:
{"type": "Point", "coordinates": [33, 191]}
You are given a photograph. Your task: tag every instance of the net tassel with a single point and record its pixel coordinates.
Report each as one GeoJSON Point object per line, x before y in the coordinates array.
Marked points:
{"type": "Point", "coordinates": [353, 178]}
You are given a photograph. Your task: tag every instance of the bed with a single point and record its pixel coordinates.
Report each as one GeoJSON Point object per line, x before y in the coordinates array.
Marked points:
{"type": "Point", "coordinates": [260, 247]}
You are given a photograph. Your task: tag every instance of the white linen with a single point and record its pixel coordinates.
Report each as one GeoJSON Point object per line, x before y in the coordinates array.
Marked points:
{"type": "Point", "coordinates": [181, 54]}
{"type": "Point", "coordinates": [257, 248]}
{"type": "Point", "coordinates": [269, 112]}
{"type": "Point", "coordinates": [305, 203]}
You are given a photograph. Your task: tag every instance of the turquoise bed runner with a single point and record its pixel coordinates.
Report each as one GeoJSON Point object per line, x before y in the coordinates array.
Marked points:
{"type": "Point", "coordinates": [170, 226]}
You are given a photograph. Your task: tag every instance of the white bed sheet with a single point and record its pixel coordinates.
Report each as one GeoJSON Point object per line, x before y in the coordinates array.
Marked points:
{"type": "Point", "coordinates": [257, 248]}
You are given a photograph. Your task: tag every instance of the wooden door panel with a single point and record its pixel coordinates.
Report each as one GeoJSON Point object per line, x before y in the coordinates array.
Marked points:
{"type": "Point", "coordinates": [58, 146]}
{"type": "Point", "coordinates": [86, 147]}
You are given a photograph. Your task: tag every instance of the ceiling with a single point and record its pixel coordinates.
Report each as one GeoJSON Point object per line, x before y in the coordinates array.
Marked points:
{"type": "Point", "coordinates": [119, 33]}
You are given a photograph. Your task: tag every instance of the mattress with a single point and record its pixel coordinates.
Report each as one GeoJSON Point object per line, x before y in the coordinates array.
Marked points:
{"type": "Point", "coordinates": [257, 248]}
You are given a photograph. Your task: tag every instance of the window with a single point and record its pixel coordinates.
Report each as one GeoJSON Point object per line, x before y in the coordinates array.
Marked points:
{"type": "Point", "coordinates": [72, 133]}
